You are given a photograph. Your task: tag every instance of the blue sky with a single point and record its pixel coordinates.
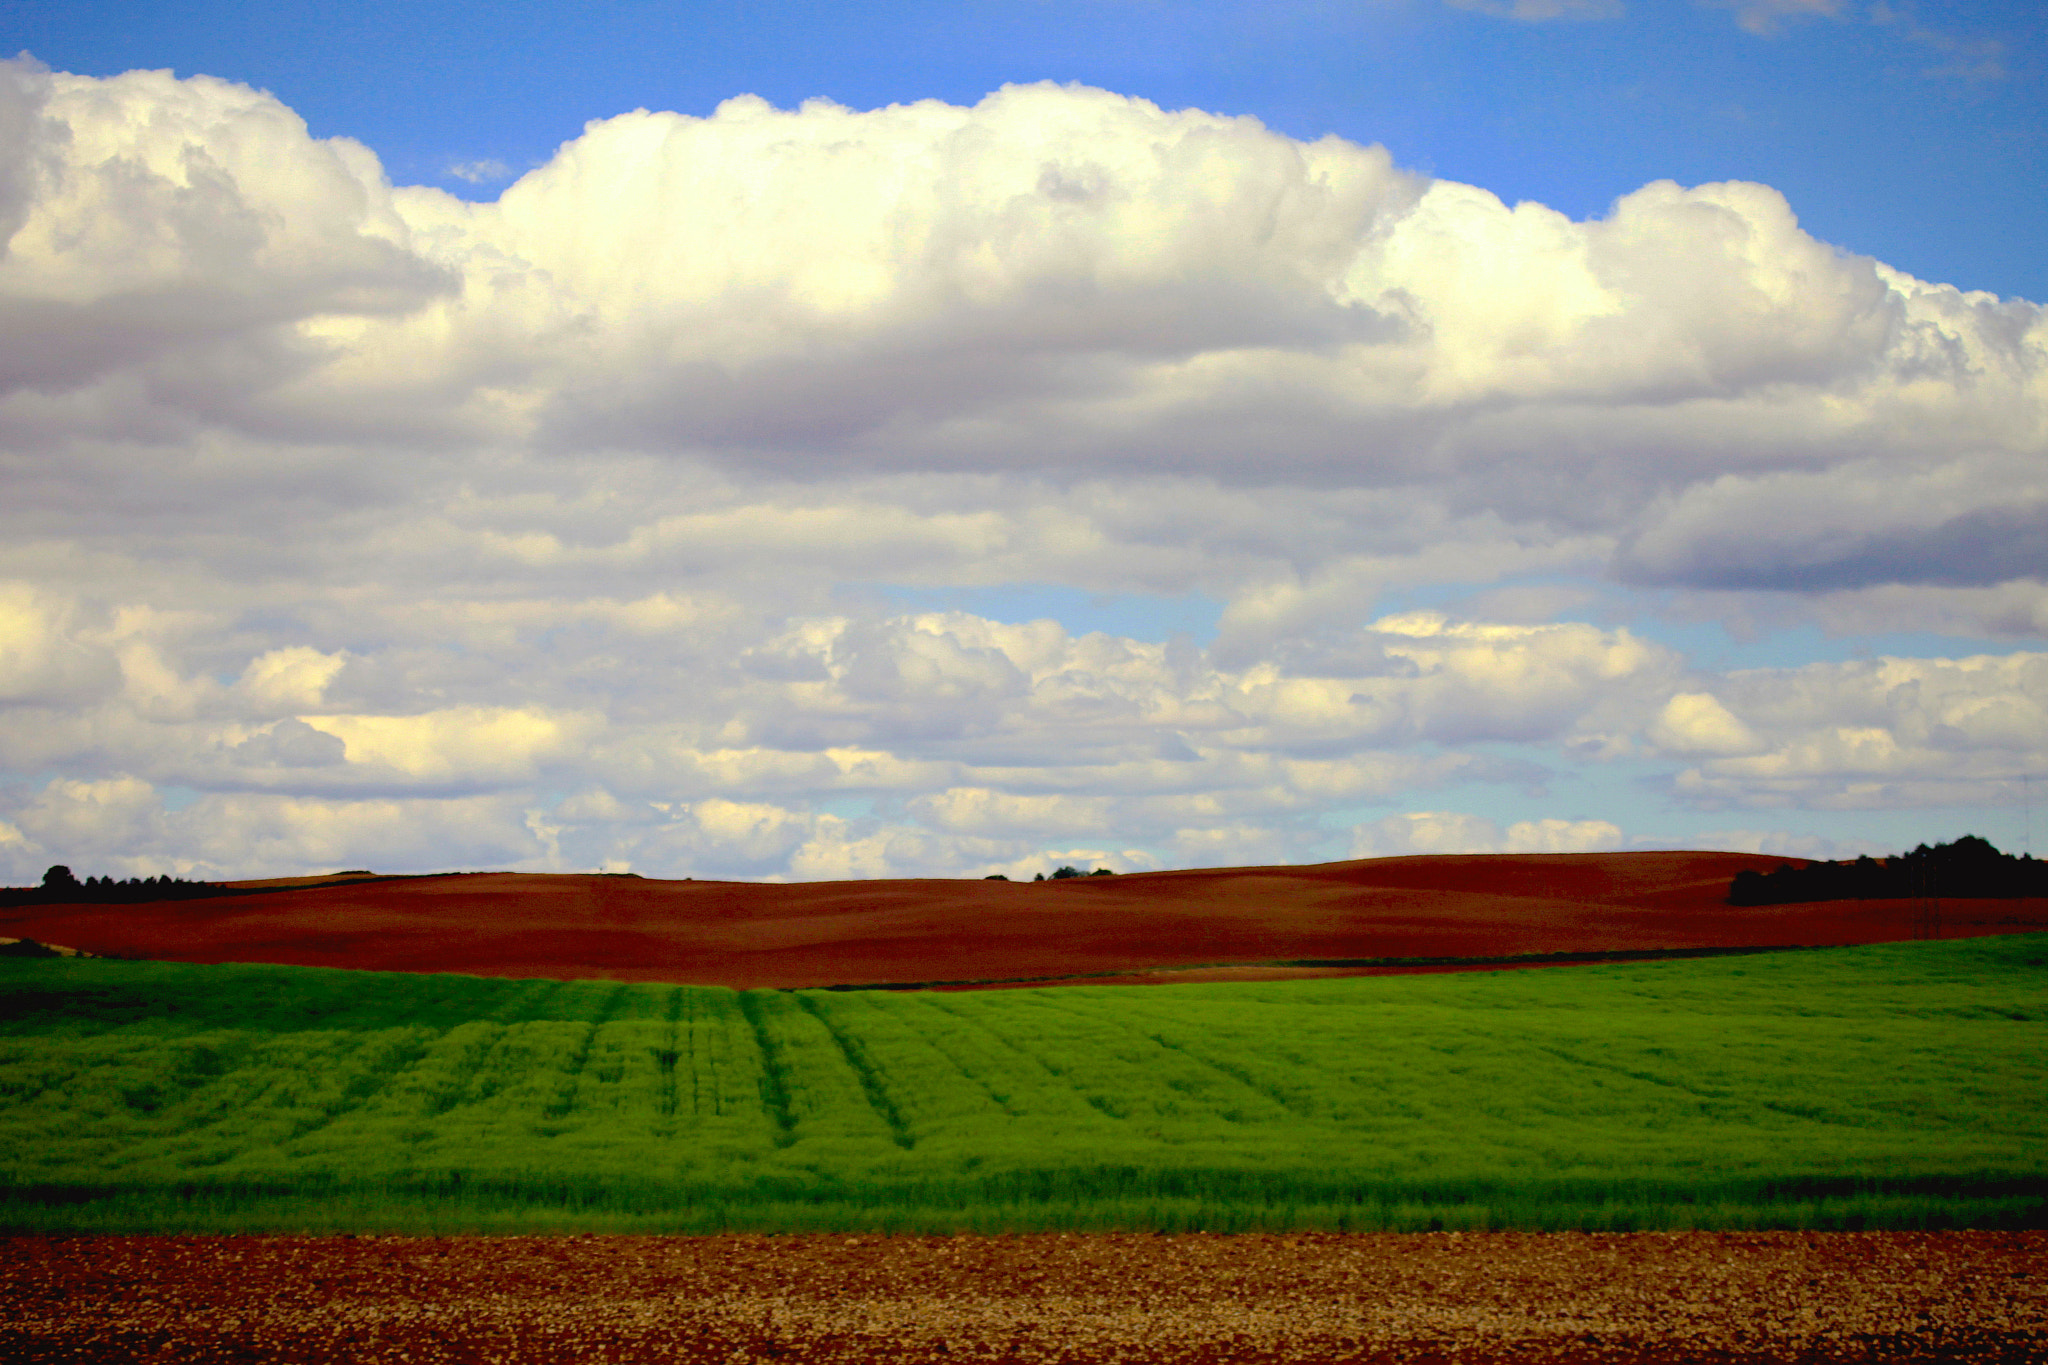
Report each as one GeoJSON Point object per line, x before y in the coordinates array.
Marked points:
{"type": "Point", "coordinates": [1079, 472]}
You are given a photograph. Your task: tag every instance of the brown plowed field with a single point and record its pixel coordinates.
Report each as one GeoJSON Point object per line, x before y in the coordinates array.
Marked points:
{"type": "Point", "coordinates": [1475, 1298]}
{"type": "Point", "coordinates": [827, 933]}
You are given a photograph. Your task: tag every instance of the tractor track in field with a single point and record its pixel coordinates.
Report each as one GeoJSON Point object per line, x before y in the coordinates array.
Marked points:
{"type": "Point", "coordinates": [1476, 1298]}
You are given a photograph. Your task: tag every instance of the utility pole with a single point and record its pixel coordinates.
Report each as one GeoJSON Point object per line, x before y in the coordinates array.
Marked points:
{"type": "Point", "coordinates": [1927, 922]}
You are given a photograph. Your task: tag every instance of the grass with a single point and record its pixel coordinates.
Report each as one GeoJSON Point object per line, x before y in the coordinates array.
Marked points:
{"type": "Point", "coordinates": [1892, 1086]}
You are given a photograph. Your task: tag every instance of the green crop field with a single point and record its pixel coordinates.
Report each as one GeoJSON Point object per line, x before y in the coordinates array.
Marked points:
{"type": "Point", "coordinates": [1903, 1085]}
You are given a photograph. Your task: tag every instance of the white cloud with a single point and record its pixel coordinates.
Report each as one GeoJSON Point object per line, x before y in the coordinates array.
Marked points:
{"type": "Point", "coordinates": [2012, 610]}
{"type": "Point", "coordinates": [42, 657]}
{"type": "Point", "coordinates": [1538, 11]}
{"type": "Point", "coordinates": [1785, 845]}
{"type": "Point", "coordinates": [1561, 836]}
{"type": "Point", "coordinates": [1451, 832]}
{"type": "Point", "coordinates": [1056, 279]}
{"type": "Point", "coordinates": [291, 679]}
{"type": "Point", "coordinates": [979, 810]}
{"type": "Point", "coordinates": [572, 516]}
{"type": "Point", "coordinates": [462, 744]}
{"type": "Point", "coordinates": [1886, 733]}
{"type": "Point", "coordinates": [1766, 18]}
{"type": "Point", "coordinates": [68, 817]}
{"type": "Point", "coordinates": [483, 171]}
{"type": "Point", "coordinates": [291, 744]}
{"type": "Point", "coordinates": [1424, 832]}
{"type": "Point", "coordinates": [121, 827]}
{"type": "Point", "coordinates": [1963, 57]}
{"type": "Point", "coordinates": [1697, 723]}
{"type": "Point", "coordinates": [185, 230]}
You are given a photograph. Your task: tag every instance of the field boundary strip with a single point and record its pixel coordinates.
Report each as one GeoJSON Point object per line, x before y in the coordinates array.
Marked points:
{"type": "Point", "coordinates": [1503, 960]}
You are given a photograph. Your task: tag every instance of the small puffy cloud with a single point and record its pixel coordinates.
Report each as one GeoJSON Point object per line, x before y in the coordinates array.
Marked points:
{"type": "Point", "coordinates": [2016, 610]}
{"type": "Point", "coordinates": [391, 835]}
{"type": "Point", "coordinates": [1783, 845]}
{"type": "Point", "coordinates": [1561, 836]}
{"type": "Point", "coordinates": [462, 745]}
{"type": "Point", "coordinates": [73, 820]}
{"type": "Point", "coordinates": [1538, 11]}
{"type": "Point", "coordinates": [1451, 832]}
{"type": "Point", "coordinates": [1425, 832]}
{"type": "Point", "coordinates": [1767, 18]}
{"type": "Point", "coordinates": [291, 744]}
{"type": "Point", "coordinates": [978, 810]}
{"type": "Point", "coordinates": [597, 806]}
{"type": "Point", "coordinates": [1853, 528]}
{"type": "Point", "coordinates": [43, 655]}
{"type": "Point", "coordinates": [480, 172]}
{"type": "Point", "coordinates": [1233, 845]}
{"type": "Point", "coordinates": [1697, 723]}
{"type": "Point", "coordinates": [835, 852]}
{"type": "Point", "coordinates": [122, 827]}
{"type": "Point", "coordinates": [1961, 57]}
{"type": "Point", "coordinates": [1476, 680]}
{"type": "Point", "coordinates": [290, 680]}
{"type": "Point", "coordinates": [722, 838]}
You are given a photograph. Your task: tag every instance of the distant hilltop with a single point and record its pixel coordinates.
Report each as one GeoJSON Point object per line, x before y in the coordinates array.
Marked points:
{"type": "Point", "coordinates": [1432, 912]}
{"type": "Point", "coordinates": [61, 887]}
{"type": "Point", "coordinates": [28, 947]}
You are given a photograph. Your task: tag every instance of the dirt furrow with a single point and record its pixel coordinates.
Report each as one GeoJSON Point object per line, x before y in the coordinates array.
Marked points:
{"type": "Point", "coordinates": [1471, 1297]}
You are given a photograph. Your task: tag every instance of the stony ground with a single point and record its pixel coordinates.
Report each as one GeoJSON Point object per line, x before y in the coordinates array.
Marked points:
{"type": "Point", "coordinates": [1472, 1298]}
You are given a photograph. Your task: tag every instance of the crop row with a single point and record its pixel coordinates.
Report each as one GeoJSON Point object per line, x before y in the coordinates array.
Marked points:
{"type": "Point", "coordinates": [1900, 1064]}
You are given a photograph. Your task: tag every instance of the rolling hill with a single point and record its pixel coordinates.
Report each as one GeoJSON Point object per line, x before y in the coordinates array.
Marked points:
{"type": "Point", "coordinates": [1202, 924]}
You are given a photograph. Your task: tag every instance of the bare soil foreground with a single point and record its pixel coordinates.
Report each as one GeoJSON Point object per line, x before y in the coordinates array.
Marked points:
{"type": "Point", "coordinates": [1135, 928]}
{"type": "Point", "coordinates": [1475, 1298]}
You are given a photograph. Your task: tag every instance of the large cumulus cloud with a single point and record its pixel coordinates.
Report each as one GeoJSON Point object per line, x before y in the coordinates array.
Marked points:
{"type": "Point", "coordinates": [566, 517]}
{"type": "Point", "coordinates": [1884, 732]}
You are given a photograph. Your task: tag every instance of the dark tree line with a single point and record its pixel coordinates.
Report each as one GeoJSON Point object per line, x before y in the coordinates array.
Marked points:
{"type": "Point", "coordinates": [60, 887]}
{"type": "Point", "coordinates": [1059, 876]}
{"type": "Point", "coordinates": [1968, 868]}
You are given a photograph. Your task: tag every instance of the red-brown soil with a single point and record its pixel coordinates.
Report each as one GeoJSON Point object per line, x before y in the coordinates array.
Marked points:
{"type": "Point", "coordinates": [1476, 1298]}
{"type": "Point", "coordinates": [1127, 927]}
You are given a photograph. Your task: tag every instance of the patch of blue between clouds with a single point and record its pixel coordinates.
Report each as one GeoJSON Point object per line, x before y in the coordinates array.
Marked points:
{"type": "Point", "coordinates": [845, 807]}
{"type": "Point", "coordinates": [1135, 616]}
{"type": "Point", "coordinates": [1707, 645]}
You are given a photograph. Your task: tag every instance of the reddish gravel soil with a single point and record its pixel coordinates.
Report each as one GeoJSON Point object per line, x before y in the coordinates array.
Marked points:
{"type": "Point", "coordinates": [1474, 1298]}
{"type": "Point", "coordinates": [1130, 926]}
